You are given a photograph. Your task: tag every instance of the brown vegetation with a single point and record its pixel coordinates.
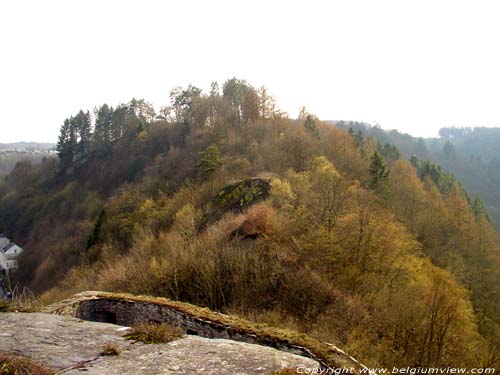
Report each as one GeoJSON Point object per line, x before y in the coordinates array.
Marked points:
{"type": "Point", "coordinates": [154, 333]}
{"type": "Point", "coordinates": [110, 349]}
{"type": "Point", "coordinates": [13, 364]}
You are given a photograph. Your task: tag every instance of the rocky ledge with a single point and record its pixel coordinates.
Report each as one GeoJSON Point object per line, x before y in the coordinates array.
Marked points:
{"type": "Point", "coordinates": [72, 346]}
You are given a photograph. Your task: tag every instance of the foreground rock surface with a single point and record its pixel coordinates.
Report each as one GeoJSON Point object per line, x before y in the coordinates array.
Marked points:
{"type": "Point", "coordinates": [65, 342]}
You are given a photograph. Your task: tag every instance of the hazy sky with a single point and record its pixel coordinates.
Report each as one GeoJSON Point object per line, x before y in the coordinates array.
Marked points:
{"type": "Point", "coordinates": [410, 65]}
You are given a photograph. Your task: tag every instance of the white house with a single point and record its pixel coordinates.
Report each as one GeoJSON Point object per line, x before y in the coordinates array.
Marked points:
{"type": "Point", "coordinates": [3, 262]}
{"type": "Point", "coordinates": [4, 241]}
{"type": "Point", "coordinates": [8, 255]}
{"type": "Point", "coordinates": [12, 250]}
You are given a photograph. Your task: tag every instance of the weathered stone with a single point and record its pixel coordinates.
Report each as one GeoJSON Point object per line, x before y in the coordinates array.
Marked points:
{"type": "Point", "coordinates": [68, 343]}
{"type": "Point", "coordinates": [128, 309]}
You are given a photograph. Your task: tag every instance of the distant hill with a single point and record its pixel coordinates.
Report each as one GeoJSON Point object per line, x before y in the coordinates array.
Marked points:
{"type": "Point", "coordinates": [27, 146]}
{"type": "Point", "coordinates": [471, 154]}
{"type": "Point", "coordinates": [12, 153]}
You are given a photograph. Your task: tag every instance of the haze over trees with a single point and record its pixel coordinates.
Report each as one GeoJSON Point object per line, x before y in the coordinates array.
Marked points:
{"type": "Point", "coordinates": [471, 154]}
{"type": "Point", "coordinates": [223, 201]}
{"type": "Point", "coordinates": [13, 153]}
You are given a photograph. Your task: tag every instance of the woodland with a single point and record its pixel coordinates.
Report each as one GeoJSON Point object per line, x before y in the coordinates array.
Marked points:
{"type": "Point", "coordinates": [221, 200]}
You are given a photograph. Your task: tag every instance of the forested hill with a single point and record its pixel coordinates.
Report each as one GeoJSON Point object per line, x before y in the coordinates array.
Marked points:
{"type": "Point", "coordinates": [223, 201]}
{"type": "Point", "coordinates": [471, 154]}
{"type": "Point", "coordinates": [12, 153]}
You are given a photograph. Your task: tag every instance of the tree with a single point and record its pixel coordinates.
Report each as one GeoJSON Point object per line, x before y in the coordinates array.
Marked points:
{"type": "Point", "coordinates": [379, 174]}
{"type": "Point", "coordinates": [103, 127]}
{"type": "Point", "coordinates": [182, 101]}
{"type": "Point", "coordinates": [266, 103]}
{"type": "Point", "coordinates": [63, 148]}
{"type": "Point", "coordinates": [310, 125]}
{"type": "Point", "coordinates": [421, 149]}
{"type": "Point", "coordinates": [235, 90]}
{"type": "Point", "coordinates": [210, 160]}
{"type": "Point", "coordinates": [83, 128]}
{"type": "Point", "coordinates": [449, 151]}
{"type": "Point", "coordinates": [250, 107]}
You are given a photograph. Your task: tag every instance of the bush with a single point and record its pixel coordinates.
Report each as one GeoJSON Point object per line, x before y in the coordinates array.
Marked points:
{"type": "Point", "coordinates": [12, 364]}
{"type": "Point", "coordinates": [110, 348]}
{"type": "Point", "coordinates": [4, 306]}
{"type": "Point", "coordinates": [154, 333]}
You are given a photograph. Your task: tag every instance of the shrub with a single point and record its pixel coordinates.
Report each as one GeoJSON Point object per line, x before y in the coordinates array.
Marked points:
{"type": "Point", "coordinates": [110, 348]}
{"type": "Point", "coordinates": [154, 333]}
{"type": "Point", "coordinates": [4, 306]}
{"type": "Point", "coordinates": [13, 364]}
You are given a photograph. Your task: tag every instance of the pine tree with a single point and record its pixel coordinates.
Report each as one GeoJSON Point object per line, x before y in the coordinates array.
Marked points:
{"type": "Point", "coordinates": [379, 173]}
{"type": "Point", "coordinates": [84, 126]}
{"type": "Point", "coordinates": [103, 128]}
{"type": "Point", "coordinates": [310, 125]}
{"type": "Point", "coordinates": [210, 160]}
{"type": "Point", "coordinates": [64, 151]}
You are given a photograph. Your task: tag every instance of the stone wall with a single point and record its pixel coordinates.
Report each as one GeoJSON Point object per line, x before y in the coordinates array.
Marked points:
{"type": "Point", "coordinates": [127, 310]}
{"type": "Point", "coordinates": [128, 313]}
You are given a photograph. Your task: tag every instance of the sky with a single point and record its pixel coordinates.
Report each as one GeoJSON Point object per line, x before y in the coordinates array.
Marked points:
{"type": "Point", "coordinates": [410, 65]}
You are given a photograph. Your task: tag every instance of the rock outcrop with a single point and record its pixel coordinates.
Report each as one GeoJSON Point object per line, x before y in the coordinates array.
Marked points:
{"type": "Point", "coordinates": [243, 194]}
{"type": "Point", "coordinates": [126, 309]}
{"type": "Point", "coordinates": [71, 345]}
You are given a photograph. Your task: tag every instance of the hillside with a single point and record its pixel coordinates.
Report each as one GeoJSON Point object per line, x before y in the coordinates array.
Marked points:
{"type": "Point", "coordinates": [222, 201]}
{"type": "Point", "coordinates": [13, 153]}
{"type": "Point", "coordinates": [471, 154]}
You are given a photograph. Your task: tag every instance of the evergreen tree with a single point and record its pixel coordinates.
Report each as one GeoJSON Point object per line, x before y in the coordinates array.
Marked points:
{"type": "Point", "coordinates": [414, 161]}
{"type": "Point", "coordinates": [379, 174]}
{"type": "Point", "coordinates": [103, 126]}
{"type": "Point", "coordinates": [85, 133]}
{"type": "Point", "coordinates": [449, 151]}
{"type": "Point", "coordinates": [210, 160]}
{"type": "Point", "coordinates": [63, 148]}
{"type": "Point", "coordinates": [310, 125]}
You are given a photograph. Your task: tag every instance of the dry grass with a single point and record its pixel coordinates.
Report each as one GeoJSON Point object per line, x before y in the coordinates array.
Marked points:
{"type": "Point", "coordinates": [154, 333]}
{"type": "Point", "coordinates": [12, 364]}
{"type": "Point", "coordinates": [110, 349]}
{"type": "Point", "coordinates": [5, 306]}
{"type": "Point", "coordinates": [25, 300]}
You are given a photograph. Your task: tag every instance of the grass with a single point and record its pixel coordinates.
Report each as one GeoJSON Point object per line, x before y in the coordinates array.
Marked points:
{"type": "Point", "coordinates": [154, 333]}
{"type": "Point", "coordinates": [12, 364]}
{"type": "Point", "coordinates": [110, 349]}
{"type": "Point", "coordinates": [24, 301]}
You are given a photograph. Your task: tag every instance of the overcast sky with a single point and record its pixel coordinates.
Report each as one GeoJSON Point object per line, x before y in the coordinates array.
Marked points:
{"type": "Point", "coordinates": [410, 65]}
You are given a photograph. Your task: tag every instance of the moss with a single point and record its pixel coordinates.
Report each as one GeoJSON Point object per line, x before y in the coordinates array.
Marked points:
{"type": "Point", "coordinates": [13, 364]}
{"type": "Point", "coordinates": [154, 333]}
{"type": "Point", "coordinates": [242, 194]}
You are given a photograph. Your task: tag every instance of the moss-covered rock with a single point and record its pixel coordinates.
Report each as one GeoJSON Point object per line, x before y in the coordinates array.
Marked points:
{"type": "Point", "coordinates": [242, 194]}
